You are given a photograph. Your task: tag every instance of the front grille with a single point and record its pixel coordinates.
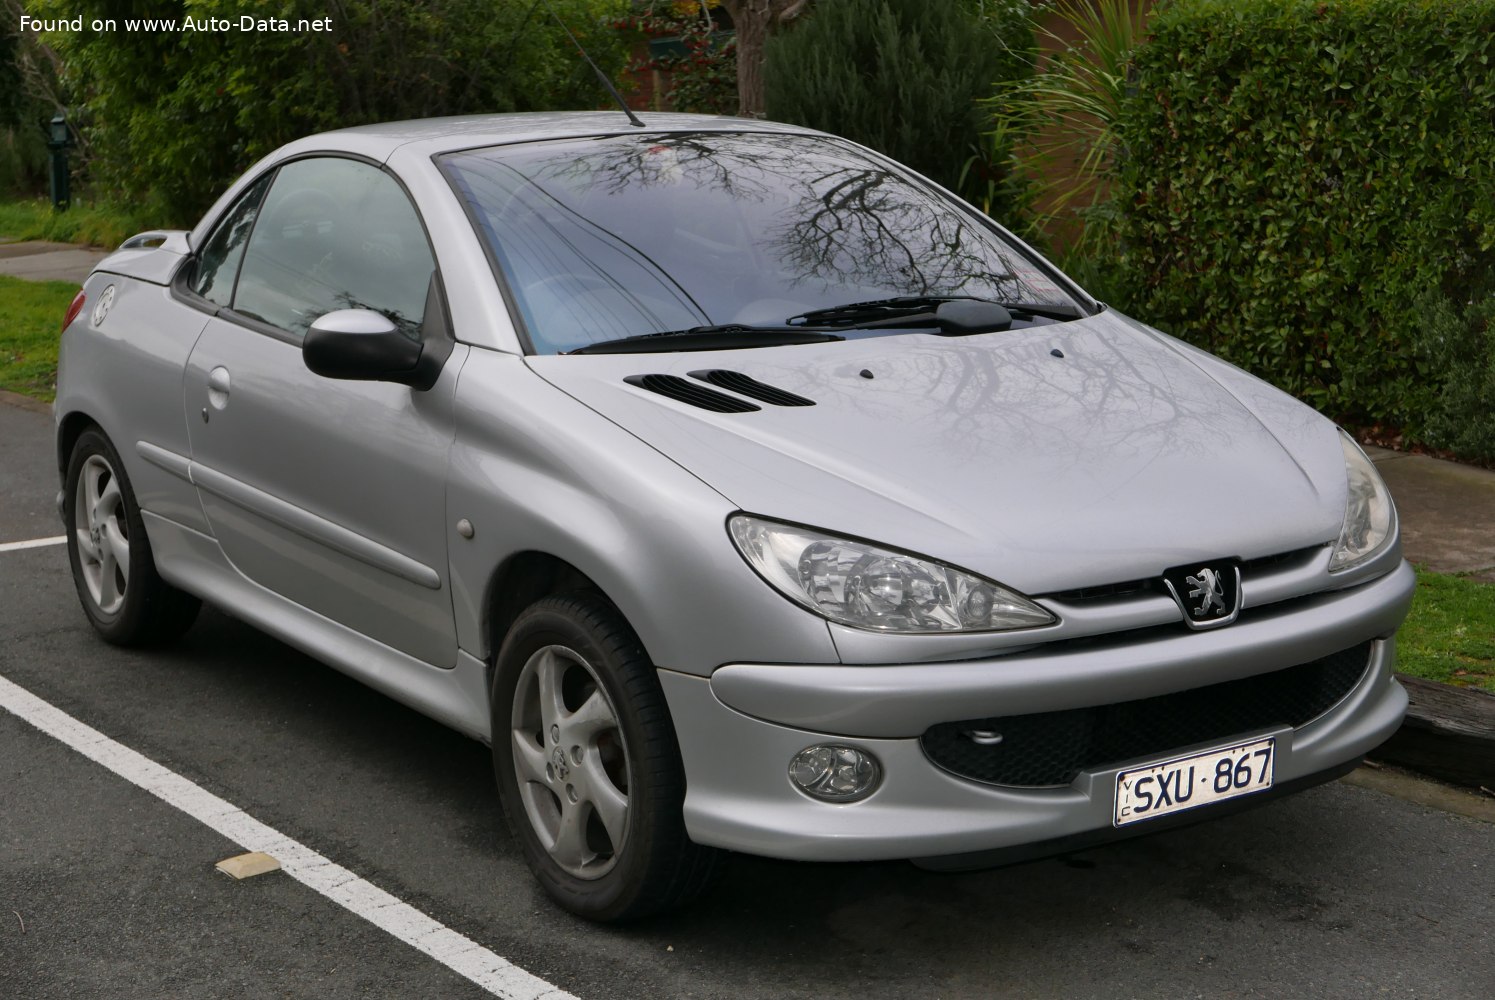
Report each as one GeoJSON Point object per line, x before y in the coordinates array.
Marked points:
{"type": "Point", "coordinates": [1050, 748]}
{"type": "Point", "coordinates": [1109, 591]}
{"type": "Point", "coordinates": [1296, 557]}
{"type": "Point", "coordinates": [1251, 570]}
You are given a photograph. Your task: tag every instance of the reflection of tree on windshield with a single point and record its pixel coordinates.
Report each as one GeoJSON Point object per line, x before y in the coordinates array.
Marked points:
{"type": "Point", "coordinates": [708, 160]}
{"type": "Point", "coordinates": [863, 226]}
{"type": "Point", "coordinates": [748, 228]}
{"type": "Point", "coordinates": [847, 221]}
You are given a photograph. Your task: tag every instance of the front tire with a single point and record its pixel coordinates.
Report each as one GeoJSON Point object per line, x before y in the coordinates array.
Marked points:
{"type": "Point", "coordinates": [114, 571]}
{"type": "Point", "coordinates": [588, 767]}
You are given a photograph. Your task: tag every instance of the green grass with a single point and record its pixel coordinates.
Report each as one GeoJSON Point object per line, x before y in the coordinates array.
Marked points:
{"type": "Point", "coordinates": [84, 222]}
{"type": "Point", "coordinates": [1450, 634]}
{"type": "Point", "coordinates": [30, 322]}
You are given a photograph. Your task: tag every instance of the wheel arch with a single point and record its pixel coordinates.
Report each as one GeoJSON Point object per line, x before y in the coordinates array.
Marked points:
{"type": "Point", "coordinates": [518, 582]}
{"type": "Point", "coordinates": [69, 429]}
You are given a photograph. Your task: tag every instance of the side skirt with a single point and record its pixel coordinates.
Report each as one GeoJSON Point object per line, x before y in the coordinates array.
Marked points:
{"type": "Point", "coordinates": [193, 561]}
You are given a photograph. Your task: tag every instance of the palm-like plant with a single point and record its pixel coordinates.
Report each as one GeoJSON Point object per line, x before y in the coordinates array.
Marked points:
{"type": "Point", "coordinates": [1069, 111]}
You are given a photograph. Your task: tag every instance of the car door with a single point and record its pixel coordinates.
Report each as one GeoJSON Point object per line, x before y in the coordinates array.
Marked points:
{"type": "Point", "coordinates": [329, 492]}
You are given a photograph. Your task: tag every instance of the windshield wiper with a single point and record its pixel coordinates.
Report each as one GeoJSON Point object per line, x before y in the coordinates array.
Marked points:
{"type": "Point", "coordinates": [950, 314]}
{"type": "Point", "coordinates": [710, 338]}
{"type": "Point", "coordinates": [914, 310]}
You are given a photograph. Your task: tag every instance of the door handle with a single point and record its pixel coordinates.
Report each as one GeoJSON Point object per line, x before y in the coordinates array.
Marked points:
{"type": "Point", "coordinates": [218, 386]}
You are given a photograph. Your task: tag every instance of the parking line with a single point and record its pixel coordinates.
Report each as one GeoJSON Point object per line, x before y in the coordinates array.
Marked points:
{"type": "Point", "coordinates": [462, 955]}
{"type": "Point", "coordinates": [34, 543]}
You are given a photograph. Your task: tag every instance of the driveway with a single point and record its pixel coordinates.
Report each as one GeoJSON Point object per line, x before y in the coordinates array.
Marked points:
{"type": "Point", "coordinates": [39, 260]}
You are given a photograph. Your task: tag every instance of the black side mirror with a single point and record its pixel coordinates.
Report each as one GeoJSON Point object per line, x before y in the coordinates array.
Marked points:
{"type": "Point", "coordinates": [363, 345]}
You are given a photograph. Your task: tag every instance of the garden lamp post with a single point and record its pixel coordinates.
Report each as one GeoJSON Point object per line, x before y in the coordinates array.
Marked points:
{"type": "Point", "coordinates": [58, 141]}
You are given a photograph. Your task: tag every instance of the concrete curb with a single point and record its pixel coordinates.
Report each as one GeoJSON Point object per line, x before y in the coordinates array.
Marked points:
{"type": "Point", "coordinates": [1411, 787]}
{"type": "Point", "coordinates": [1449, 734]}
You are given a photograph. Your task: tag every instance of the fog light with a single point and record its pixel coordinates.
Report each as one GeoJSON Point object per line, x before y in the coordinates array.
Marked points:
{"type": "Point", "coordinates": [835, 773]}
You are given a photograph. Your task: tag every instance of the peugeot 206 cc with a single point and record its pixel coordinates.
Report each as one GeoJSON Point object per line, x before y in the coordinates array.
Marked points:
{"type": "Point", "coordinates": [743, 489]}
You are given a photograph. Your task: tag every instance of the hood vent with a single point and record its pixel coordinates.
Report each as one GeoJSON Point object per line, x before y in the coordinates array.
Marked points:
{"type": "Point", "coordinates": [740, 383]}
{"type": "Point", "coordinates": [685, 391]}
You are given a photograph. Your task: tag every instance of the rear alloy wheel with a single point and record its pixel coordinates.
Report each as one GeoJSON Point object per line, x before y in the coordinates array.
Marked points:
{"type": "Point", "coordinates": [587, 765]}
{"type": "Point", "coordinates": [125, 599]}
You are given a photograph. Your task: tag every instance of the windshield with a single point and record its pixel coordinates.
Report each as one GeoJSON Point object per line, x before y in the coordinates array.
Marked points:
{"type": "Point", "coordinates": [604, 238]}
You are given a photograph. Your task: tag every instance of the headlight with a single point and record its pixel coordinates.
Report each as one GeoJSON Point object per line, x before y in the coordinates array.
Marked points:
{"type": "Point", "coordinates": [869, 587]}
{"type": "Point", "coordinates": [1368, 513]}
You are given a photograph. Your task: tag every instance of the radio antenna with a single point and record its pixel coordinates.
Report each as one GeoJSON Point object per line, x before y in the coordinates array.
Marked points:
{"type": "Point", "coordinates": [633, 118]}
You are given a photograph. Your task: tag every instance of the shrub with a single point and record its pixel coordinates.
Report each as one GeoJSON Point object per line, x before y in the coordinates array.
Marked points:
{"type": "Point", "coordinates": [1066, 118]}
{"type": "Point", "coordinates": [1457, 339]}
{"type": "Point", "coordinates": [1300, 173]}
{"type": "Point", "coordinates": [701, 70]}
{"type": "Point", "coordinates": [23, 111]}
{"type": "Point", "coordinates": [171, 117]}
{"type": "Point", "coordinates": [904, 77]}
{"type": "Point", "coordinates": [23, 159]}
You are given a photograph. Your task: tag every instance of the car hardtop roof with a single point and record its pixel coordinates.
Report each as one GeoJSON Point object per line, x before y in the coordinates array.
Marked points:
{"type": "Point", "coordinates": [437, 135]}
{"type": "Point", "coordinates": [425, 137]}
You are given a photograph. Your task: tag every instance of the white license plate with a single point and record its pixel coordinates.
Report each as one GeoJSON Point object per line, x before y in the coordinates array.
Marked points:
{"type": "Point", "coordinates": [1197, 780]}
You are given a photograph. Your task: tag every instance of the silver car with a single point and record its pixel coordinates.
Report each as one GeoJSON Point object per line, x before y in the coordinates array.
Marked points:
{"type": "Point", "coordinates": [743, 489]}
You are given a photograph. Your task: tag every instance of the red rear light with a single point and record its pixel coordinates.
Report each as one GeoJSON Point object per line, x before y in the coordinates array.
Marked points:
{"type": "Point", "coordinates": [73, 310]}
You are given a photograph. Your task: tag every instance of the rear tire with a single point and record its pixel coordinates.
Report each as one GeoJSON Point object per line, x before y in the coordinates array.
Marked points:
{"type": "Point", "coordinates": [587, 764]}
{"type": "Point", "coordinates": [123, 596]}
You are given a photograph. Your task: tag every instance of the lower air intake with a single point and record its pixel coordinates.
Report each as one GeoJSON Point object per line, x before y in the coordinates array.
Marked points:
{"type": "Point", "coordinates": [1051, 748]}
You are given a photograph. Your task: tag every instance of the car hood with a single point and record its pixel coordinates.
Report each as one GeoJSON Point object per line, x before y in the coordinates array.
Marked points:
{"type": "Point", "coordinates": [1050, 458]}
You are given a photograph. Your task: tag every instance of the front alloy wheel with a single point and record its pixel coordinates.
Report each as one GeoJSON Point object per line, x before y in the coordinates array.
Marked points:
{"type": "Point", "coordinates": [587, 764]}
{"type": "Point", "coordinates": [570, 762]}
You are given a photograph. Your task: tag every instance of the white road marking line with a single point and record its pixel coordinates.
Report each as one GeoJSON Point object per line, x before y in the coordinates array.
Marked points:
{"type": "Point", "coordinates": [462, 955]}
{"type": "Point", "coordinates": [34, 543]}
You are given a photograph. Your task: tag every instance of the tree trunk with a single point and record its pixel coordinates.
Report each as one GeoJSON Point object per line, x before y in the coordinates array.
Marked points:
{"type": "Point", "coordinates": [754, 19]}
{"type": "Point", "coordinates": [751, 33]}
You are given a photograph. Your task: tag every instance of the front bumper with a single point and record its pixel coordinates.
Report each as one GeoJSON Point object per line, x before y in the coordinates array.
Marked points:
{"type": "Point", "coordinates": [739, 795]}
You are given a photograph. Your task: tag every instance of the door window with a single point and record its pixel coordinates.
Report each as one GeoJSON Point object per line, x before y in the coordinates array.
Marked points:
{"type": "Point", "coordinates": [218, 264]}
{"type": "Point", "coordinates": [335, 234]}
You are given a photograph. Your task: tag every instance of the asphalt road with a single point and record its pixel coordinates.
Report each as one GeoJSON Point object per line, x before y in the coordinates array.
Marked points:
{"type": "Point", "coordinates": [1338, 892]}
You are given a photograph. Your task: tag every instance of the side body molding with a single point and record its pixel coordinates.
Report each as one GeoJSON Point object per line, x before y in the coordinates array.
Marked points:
{"type": "Point", "coordinates": [303, 522]}
{"type": "Point", "coordinates": [178, 465]}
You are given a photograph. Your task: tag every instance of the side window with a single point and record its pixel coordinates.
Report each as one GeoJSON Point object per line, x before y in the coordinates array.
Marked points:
{"type": "Point", "coordinates": [218, 263]}
{"type": "Point", "coordinates": [335, 234]}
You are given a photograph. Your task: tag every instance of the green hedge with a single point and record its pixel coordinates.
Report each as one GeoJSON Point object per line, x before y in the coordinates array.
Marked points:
{"type": "Point", "coordinates": [169, 118]}
{"type": "Point", "coordinates": [904, 77]}
{"type": "Point", "coordinates": [1459, 343]}
{"type": "Point", "coordinates": [1300, 176]}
